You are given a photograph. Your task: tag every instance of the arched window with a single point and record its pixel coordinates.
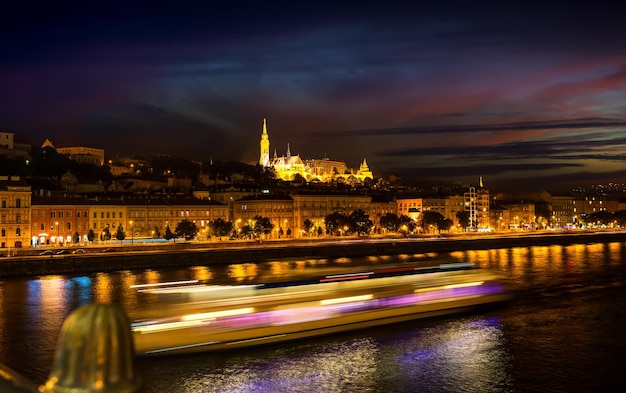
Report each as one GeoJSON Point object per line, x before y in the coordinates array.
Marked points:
{"type": "Point", "coordinates": [18, 203]}
{"type": "Point", "coordinates": [4, 232]}
{"type": "Point", "coordinates": [18, 232]}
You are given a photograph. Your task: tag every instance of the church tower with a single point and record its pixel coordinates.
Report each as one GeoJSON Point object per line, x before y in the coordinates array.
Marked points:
{"type": "Point", "coordinates": [264, 160]}
{"type": "Point", "coordinates": [364, 170]}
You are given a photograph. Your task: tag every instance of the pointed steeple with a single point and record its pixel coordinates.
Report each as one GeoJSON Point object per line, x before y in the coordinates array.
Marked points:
{"type": "Point", "coordinates": [365, 171]}
{"type": "Point", "coordinates": [364, 167]}
{"type": "Point", "coordinates": [264, 158]}
{"type": "Point", "coordinates": [288, 151]}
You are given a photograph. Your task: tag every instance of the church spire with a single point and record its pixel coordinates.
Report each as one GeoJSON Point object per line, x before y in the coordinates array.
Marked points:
{"type": "Point", "coordinates": [288, 151]}
{"type": "Point", "coordinates": [264, 158]}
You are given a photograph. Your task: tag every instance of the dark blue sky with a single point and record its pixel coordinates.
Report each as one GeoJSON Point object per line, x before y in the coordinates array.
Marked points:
{"type": "Point", "coordinates": [532, 94]}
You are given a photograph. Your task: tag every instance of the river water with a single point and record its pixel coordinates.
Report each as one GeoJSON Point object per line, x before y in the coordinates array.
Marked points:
{"type": "Point", "coordinates": [564, 331]}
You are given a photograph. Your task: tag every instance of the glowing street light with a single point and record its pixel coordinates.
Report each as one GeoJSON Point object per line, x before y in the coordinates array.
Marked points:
{"type": "Point", "coordinates": [132, 233]}
{"type": "Point", "coordinates": [57, 225]}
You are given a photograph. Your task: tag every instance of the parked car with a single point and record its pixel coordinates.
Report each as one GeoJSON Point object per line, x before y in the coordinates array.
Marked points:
{"type": "Point", "coordinates": [110, 249]}
{"type": "Point", "coordinates": [47, 252]}
{"type": "Point", "coordinates": [78, 251]}
{"type": "Point", "coordinates": [61, 252]}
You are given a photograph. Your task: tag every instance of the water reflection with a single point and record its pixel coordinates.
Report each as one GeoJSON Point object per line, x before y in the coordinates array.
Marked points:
{"type": "Point", "coordinates": [201, 273]}
{"type": "Point", "coordinates": [102, 288]}
{"type": "Point", "coordinates": [52, 297]}
{"type": "Point", "coordinates": [243, 271]}
{"type": "Point", "coordinates": [32, 312]}
{"type": "Point", "coordinates": [463, 355]}
{"type": "Point", "coordinates": [467, 355]}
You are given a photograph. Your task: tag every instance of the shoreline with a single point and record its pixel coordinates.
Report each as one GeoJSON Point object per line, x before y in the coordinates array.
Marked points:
{"type": "Point", "coordinates": [206, 254]}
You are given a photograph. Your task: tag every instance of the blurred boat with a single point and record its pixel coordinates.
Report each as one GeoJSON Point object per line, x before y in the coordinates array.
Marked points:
{"type": "Point", "coordinates": [212, 317]}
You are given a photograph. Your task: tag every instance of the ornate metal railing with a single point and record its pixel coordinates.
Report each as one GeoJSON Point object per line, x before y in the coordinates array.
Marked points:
{"type": "Point", "coordinates": [95, 353]}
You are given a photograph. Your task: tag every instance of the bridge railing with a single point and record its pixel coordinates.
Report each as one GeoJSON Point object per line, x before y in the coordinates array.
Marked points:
{"type": "Point", "coordinates": [95, 353]}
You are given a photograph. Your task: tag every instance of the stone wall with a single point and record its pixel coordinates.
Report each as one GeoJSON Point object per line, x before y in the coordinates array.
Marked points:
{"type": "Point", "coordinates": [194, 254]}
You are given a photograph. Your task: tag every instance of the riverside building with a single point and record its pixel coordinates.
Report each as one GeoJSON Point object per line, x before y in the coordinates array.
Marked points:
{"type": "Point", "coordinates": [15, 197]}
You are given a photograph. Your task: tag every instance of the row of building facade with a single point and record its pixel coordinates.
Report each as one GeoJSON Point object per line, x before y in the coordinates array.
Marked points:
{"type": "Point", "coordinates": [34, 218]}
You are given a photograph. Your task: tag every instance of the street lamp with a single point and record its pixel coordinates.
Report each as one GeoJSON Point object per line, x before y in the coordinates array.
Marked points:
{"type": "Point", "coordinates": [57, 224]}
{"type": "Point", "coordinates": [132, 233]}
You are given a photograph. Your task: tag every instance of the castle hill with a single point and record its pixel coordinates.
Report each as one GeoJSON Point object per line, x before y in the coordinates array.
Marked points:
{"type": "Point", "coordinates": [68, 203]}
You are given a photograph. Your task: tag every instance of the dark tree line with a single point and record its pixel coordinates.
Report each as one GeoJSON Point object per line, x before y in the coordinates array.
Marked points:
{"type": "Point", "coordinates": [358, 222]}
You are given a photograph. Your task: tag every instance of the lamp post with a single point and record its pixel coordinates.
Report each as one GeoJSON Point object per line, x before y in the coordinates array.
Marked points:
{"type": "Point", "coordinates": [57, 225]}
{"type": "Point", "coordinates": [132, 233]}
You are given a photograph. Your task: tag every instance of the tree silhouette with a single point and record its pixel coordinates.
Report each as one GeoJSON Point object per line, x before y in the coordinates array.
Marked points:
{"type": "Point", "coordinates": [106, 234]}
{"type": "Point", "coordinates": [262, 226]}
{"type": "Point", "coordinates": [168, 233]}
{"type": "Point", "coordinates": [464, 218]}
{"type": "Point", "coordinates": [360, 222]}
{"type": "Point", "coordinates": [308, 226]}
{"type": "Point", "coordinates": [436, 219]}
{"type": "Point", "coordinates": [247, 231]}
{"type": "Point", "coordinates": [390, 222]}
{"type": "Point", "coordinates": [120, 234]}
{"type": "Point", "coordinates": [220, 228]}
{"type": "Point", "coordinates": [186, 229]}
{"type": "Point", "coordinates": [336, 222]}
{"type": "Point", "coordinates": [406, 223]}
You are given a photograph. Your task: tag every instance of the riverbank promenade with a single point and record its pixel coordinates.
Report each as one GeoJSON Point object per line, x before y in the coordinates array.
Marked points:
{"type": "Point", "coordinates": [118, 256]}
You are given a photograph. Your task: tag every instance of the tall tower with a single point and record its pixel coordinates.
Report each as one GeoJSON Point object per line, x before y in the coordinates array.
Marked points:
{"type": "Point", "coordinates": [264, 160]}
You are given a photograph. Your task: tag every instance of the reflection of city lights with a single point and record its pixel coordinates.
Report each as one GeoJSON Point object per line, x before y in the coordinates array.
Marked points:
{"type": "Point", "coordinates": [243, 270]}
{"type": "Point", "coordinates": [202, 273]}
{"type": "Point", "coordinates": [102, 288]}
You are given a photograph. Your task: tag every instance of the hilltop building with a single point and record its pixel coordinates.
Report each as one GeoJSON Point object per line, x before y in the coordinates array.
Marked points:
{"type": "Point", "coordinates": [82, 154]}
{"type": "Point", "coordinates": [288, 167]}
{"type": "Point", "coordinates": [12, 148]}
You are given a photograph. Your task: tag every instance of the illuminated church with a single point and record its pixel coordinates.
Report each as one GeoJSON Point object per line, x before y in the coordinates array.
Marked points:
{"type": "Point", "coordinates": [287, 167]}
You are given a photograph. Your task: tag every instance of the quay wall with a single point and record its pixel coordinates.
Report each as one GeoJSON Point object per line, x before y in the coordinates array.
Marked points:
{"type": "Point", "coordinates": [30, 263]}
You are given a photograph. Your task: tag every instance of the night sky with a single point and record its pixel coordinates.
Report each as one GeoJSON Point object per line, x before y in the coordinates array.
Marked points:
{"type": "Point", "coordinates": [530, 95]}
